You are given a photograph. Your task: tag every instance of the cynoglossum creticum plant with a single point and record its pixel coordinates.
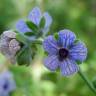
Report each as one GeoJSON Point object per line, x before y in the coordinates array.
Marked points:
{"type": "Point", "coordinates": [63, 48]}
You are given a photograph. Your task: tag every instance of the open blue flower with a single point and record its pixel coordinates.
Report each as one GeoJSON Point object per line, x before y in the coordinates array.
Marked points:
{"type": "Point", "coordinates": [7, 83]}
{"type": "Point", "coordinates": [34, 16]}
{"type": "Point", "coordinates": [64, 52]}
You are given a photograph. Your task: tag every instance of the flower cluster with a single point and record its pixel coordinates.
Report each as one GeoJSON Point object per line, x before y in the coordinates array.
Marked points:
{"type": "Point", "coordinates": [64, 50]}
{"type": "Point", "coordinates": [35, 27]}
{"type": "Point", "coordinates": [7, 83]}
{"type": "Point", "coordinates": [35, 17]}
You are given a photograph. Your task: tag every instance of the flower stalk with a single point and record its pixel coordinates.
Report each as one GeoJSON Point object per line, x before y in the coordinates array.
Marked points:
{"type": "Point", "coordinates": [87, 81]}
{"type": "Point", "coordinates": [37, 42]}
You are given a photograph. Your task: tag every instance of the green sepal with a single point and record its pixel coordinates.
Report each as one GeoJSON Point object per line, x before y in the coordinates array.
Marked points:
{"type": "Point", "coordinates": [56, 36]}
{"type": "Point", "coordinates": [32, 26]}
{"type": "Point", "coordinates": [78, 62]}
{"type": "Point", "coordinates": [24, 57]}
{"type": "Point", "coordinates": [22, 38]}
{"type": "Point", "coordinates": [29, 34]}
{"type": "Point", "coordinates": [76, 41]}
{"type": "Point", "coordinates": [46, 53]}
{"type": "Point", "coordinates": [42, 22]}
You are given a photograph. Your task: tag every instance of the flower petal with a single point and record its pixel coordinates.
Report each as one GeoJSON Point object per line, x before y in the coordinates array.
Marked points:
{"type": "Point", "coordinates": [48, 21]}
{"type": "Point", "coordinates": [22, 27]}
{"type": "Point", "coordinates": [6, 79]}
{"type": "Point", "coordinates": [3, 93]}
{"type": "Point", "coordinates": [35, 15]}
{"type": "Point", "coordinates": [79, 51]}
{"type": "Point", "coordinates": [66, 38]}
{"type": "Point", "coordinates": [51, 62]}
{"type": "Point", "coordinates": [12, 85]}
{"type": "Point", "coordinates": [68, 67]}
{"type": "Point", "coordinates": [50, 45]}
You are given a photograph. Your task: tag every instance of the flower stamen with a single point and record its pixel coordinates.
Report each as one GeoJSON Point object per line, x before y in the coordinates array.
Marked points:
{"type": "Point", "coordinates": [63, 53]}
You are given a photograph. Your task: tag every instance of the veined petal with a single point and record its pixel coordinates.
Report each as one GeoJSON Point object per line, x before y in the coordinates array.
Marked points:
{"type": "Point", "coordinates": [48, 21]}
{"type": "Point", "coordinates": [68, 67]}
{"type": "Point", "coordinates": [50, 45]}
{"type": "Point", "coordinates": [66, 38]}
{"type": "Point", "coordinates": [12, 85]}
{"type": "Point", "coordinates": [35, 15]}
{"type": "Point", "coordinates": [22, 27]}
{"type": "Point", "coordinates": [51, 62]}
{"type": "Point", "coordinates": [79, 51]}
{"type": "Point", "coordinates": [3, 93]}
{"type": "Point", "coordinates": [6, 79]}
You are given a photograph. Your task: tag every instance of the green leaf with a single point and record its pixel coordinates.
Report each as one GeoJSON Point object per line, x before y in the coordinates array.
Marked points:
{"type": "Point", "coordinates": [50, 76]}
{"type": "Point", "coordinates": [32, 26]}
{"type": "Point", "coordinates": [22, 38]}
{"type": "Point", "coordinates": [29, 34]}
{"type": "Point", "coordinates": [42, 22]}
{"type": "Point", "coordinates": [24, 57]}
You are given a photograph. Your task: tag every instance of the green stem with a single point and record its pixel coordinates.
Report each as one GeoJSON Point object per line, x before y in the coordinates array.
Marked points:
{"type": "Point", "coordinates": [90, 85]}
{"type": "Point", "coordinates": [37, 42]}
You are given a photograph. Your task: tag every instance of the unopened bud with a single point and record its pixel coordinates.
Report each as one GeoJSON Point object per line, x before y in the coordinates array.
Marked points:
{"type": "Point", "coordinates": [9, 34]}
{"type": "Point", "coordinates": [14, 46]}
{"type": "Point", "coordinates": [9, 46]}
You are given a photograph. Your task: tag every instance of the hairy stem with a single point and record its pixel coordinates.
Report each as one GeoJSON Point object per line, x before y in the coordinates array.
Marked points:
{"type": "Point", "coordinates": [37, 42]}
{"type": "Point", "coordinates": [90, 85]}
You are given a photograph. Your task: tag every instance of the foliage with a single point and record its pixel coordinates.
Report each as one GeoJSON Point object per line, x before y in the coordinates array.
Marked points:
{"type": "Point", "coordinates": [78, 16]}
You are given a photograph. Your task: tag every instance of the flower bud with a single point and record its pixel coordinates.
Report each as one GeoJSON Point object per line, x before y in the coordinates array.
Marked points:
{"type": "Point", "coordinates": [9, 46]}
{"type": "Point", "coordinates": [9, 34]}
{"type": "Point", "coordinates": [14, 46]}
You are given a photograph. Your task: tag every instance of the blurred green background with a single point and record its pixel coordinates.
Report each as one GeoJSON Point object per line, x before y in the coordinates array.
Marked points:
{"type": "Point", "coordinates": [76, 15]}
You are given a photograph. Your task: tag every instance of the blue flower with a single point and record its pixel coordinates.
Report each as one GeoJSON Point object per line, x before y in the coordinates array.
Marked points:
{"type": "Point", "coordinates": [34, 16]}
{"type": "Point", "coordinates": [64, 52]}
{"type": "Point", "coordinates": [7, 83]}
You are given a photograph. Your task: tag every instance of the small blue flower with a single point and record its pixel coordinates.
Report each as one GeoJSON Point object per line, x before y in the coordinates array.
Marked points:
{"type": "Point", "coordinates": [7, 83]}
{"type": "Point", "coordinates": [64, 52]}
{"type": "Point", "coordinates": [34, 16]}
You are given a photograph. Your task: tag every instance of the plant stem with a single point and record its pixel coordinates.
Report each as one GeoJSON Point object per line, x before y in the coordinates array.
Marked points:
{"type": "Point", "coordinates": [90, 85]}
{"type": "Point", "coordinates": [37, 42]}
